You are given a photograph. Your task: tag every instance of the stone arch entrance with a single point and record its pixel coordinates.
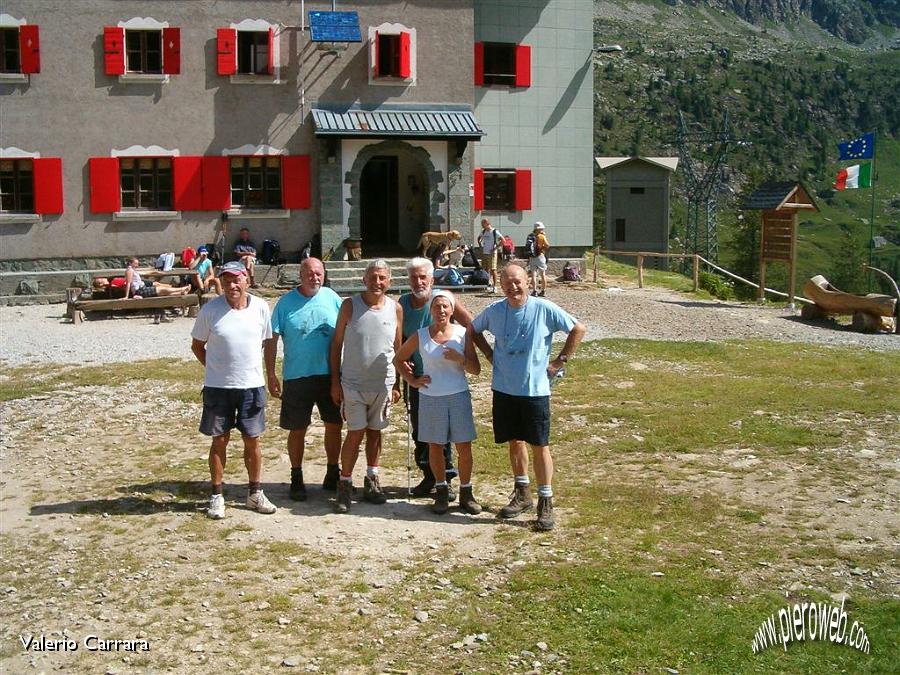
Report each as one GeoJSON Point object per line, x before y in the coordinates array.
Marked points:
{"type": "Point", "coordinates": [418, 198]}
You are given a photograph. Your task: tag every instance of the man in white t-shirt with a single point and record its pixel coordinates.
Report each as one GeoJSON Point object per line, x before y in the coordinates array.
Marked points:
{"type": "Point", "coordinates": [228, 338]}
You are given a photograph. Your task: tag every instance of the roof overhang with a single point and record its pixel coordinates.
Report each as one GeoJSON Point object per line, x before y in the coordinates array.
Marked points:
{"type": "Point", "coordinates": [414, 122]}
{"type": "Point", "coordinates": [667, 163]}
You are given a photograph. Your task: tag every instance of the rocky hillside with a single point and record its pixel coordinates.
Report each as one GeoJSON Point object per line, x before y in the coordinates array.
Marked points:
{"type": "Point", "coordinates": [851, 20]}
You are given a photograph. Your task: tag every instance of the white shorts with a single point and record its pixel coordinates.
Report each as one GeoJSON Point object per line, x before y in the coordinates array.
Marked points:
{"type": "Point", "coordinates": [365, 409]}
{"type": "Point", "coordinates": [538, 263]}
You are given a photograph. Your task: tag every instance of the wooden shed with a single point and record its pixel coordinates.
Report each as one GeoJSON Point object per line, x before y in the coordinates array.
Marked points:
{"type": "Point", "coordinates": [779, 201]}
{"type": "Point", "coordinates": [637, 203]}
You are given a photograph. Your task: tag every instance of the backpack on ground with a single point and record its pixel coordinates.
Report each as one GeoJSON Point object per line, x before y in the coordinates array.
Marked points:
{"type": "Point", "coordinates": [479, 277]}
{"type": "Point", "coordinates": [271, 252]}
{"type": "Point", "coordinates": [453, 278]}
{"type": "Point", "coordinates": [165, 261]}
{"type": "Point", "coordinates": [571, 272]}
{"type": "Point", "coordinates": [469, 259]}
{"type": "Point", "coordinates": [531, 246]}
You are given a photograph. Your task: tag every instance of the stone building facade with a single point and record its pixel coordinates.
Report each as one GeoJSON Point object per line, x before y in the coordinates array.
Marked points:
{"type": "Point", "coordinates": [141, 126]}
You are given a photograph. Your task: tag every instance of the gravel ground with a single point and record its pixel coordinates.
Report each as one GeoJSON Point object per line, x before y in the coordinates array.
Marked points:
{"type": "Point", "coordinates": [39, 334]}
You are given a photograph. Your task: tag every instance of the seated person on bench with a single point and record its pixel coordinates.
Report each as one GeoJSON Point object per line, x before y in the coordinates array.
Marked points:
{"type": "Point", "coordinates": [206, 277]}
{"type": "Point", "coordinates": [135, 287]}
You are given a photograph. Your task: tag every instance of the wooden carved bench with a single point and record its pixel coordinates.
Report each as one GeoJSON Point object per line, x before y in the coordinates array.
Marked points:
{"type": "Point", "coordinates": [76, 308]}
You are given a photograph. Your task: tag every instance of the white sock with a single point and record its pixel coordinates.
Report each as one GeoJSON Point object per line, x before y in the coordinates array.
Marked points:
{"type": "Point", "coordinates": [371, 471]}
{"type": "Point", "coordinates": [442, 483]}
{"type": "Point", "coordinates": [522, 480]}
{"type": "Point", "coordinates": [465, 485]}
{"type": "Point", "coordinates": [545, 490]}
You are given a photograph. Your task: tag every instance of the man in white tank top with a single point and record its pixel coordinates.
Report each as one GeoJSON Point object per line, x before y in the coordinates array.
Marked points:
{"type": "Point", "coordinates": [363, 381]}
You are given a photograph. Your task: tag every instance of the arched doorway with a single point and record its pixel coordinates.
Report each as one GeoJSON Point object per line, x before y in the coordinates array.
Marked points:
{"type": "Point", "coordinates": [394, 197]}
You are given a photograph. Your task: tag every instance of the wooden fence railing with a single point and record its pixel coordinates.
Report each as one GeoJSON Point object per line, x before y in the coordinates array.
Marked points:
{"type": "Point", "coordinates": [695, 268]}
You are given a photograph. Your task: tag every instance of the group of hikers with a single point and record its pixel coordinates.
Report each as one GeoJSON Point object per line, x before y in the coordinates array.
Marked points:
{"type": "Point", "coordinates": [348, 359]}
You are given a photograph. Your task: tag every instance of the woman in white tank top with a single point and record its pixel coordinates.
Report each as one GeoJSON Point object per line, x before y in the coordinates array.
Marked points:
{"type": "Point", "coordinates": [445, 405]}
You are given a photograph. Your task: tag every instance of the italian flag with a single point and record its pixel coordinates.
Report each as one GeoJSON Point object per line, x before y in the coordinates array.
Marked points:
{"type": "Point", "coordinates": [856, 176]}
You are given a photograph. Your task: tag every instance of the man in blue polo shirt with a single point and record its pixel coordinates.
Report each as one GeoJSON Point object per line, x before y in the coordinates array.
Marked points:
{"type": "Point", "coordinates": [523, 329]}
{"type": "Point", "coordinates": [305, 319]}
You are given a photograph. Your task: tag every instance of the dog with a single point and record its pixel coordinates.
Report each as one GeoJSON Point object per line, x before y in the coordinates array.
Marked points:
{"type": "Point", "coordinates": [429, 239]}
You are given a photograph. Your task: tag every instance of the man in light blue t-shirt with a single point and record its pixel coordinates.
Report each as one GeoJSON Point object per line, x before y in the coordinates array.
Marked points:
{"type": "Point", "coordinates": [523, 329]}
{"type": "Point", "coordinates": [305, 319]}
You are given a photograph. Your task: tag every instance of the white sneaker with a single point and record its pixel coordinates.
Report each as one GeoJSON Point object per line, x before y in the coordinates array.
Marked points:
{"type": "Point", "coordinates": [258, 502]}
{"type": "Point", "coordinates": [216, 509]}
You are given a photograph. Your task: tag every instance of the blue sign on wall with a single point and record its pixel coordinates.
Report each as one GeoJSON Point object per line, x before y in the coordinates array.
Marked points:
{"type": "Point", "coordinates": [334, 27]}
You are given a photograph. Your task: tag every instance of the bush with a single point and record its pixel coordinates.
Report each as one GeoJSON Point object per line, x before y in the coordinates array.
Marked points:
{"type": "Point", "coordinates": [716, 286]}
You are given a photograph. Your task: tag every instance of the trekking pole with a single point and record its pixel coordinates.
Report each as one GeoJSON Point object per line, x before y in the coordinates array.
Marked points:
{"type": "Point", "coordinates": [408, 443]}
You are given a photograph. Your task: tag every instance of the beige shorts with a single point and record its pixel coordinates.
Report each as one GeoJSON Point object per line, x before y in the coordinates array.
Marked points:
{"type": "Point", "coordinates": [489, 260]}
{"type": "Point", "coordinates": [365, 409]}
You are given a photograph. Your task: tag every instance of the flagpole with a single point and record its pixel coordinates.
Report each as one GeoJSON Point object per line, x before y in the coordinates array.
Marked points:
{"type": "Point", "coordinates": [872, 219]}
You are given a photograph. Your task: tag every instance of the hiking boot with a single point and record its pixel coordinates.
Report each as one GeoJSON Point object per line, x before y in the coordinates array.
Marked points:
{"type": "Point", "coordinates": [216, 509]}
{"type": "Point", "coordinates": [344, 492]}
{"type": "Point", "coordinates": [545, 521]}
{"type": "Point", "coordinates": [441, 502]}
{"type": "Point", "coordinates": [332, 476]}
{"type": "Point", "coordinates": [298, 489]}
{"type": "Point", "coordinates": [425, 486]}
{"type": "Point", "coordinates": [519, 502]}
{"type": "Point", "coordinates": [258, 502]}
{"type": "Point", "coordinates": [372, 490]}
{"type": "Point", "coordinates": [467, 501]}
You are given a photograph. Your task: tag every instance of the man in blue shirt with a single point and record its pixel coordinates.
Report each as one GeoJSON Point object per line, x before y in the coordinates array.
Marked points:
{"type": "Point", "coordinates": [523, 329]}
{"type": "Point", "coordinates": [305, 319]}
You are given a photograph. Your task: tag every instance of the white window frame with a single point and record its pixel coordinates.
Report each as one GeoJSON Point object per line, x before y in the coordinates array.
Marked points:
{"type": "Point", "coordinates": [390, 81]}
{"type": "Point", "coordinates": [142, 23]}
{"type": "Point", "coordinates": [8, 21]}
{"type": "Point", "coordinates": [259, 26]}
{"type": "Point", "coordinates": [249, 150]}
{"type": "Point", "coordinates": [139, 214]}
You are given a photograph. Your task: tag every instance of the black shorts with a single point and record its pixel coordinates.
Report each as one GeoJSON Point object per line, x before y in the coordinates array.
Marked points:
{"type": "Point", "coordinates": [298, 397]}
{"type": "Point", "coordinates": [521, 418]}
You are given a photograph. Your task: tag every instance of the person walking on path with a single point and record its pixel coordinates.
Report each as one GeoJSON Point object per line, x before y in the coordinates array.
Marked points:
{"type": "Point", "coordinates": [227, 338]}
{"type": "Point", "coordinates": [489, 240]}
{"type": "Point", "coordinates": [523, 329]}
{"type": "Point", "coordinates": [305, 319]}
{"type": "Point", "coordinates": [416, 315]}
{"type": "Point", "coordinates": [537, 259]}
{"type": "Point", "coordinates": [447, 353]}
{"type": "Point", "coordinates": [363, 380]}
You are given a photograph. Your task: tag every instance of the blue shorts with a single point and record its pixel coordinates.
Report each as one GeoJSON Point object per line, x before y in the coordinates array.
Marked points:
{"type": "Point", "coordinates": [225, 409]}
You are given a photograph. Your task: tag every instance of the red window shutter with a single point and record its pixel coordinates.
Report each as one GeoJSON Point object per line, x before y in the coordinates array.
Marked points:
{"type": "Point", "coordinates": [171, 51]}
{"type": "Point", "coordinates": [523, 65]}
{"type": "Point", "coordinates": [479, 63]}
{"type": "Point", "coordinates": [295, 185]}
{"type": "Point", "coordinates": [226, 51]}
{"type": "Point", "coordinates": [523, 190]}
{"type": "Point", "coordinates": [114, 50]}
{"type": "Point", "coordinates": [216, 181]}
{"type": "Point", "coordinates": [375, 63]}
{"type": "Point", "coordinates": [48, 190]}
{"type": "Point", "coordinates": [187, 183]}
{"type": "Point", "coordinates": [105, 190]}
{"type": "Point", "coordinates": [270, 67]}
{"type": "Point", "coordinates": [29, 49]}
{"type": "Point", "coordinates": [405, 55]}
{"type": "Point", "coordinates": [479, 190]}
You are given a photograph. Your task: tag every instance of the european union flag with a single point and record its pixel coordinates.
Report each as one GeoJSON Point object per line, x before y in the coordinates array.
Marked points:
{"type": "Point", "coordinates": [860, 148]}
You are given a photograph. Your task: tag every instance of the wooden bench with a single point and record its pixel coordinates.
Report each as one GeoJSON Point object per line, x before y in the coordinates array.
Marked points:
{"type": "Point", "coordinates": [76, 308]}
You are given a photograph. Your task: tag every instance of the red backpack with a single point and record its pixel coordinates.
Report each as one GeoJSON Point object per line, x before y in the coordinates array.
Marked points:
{"type": "Point", "coordinates": [187, 256]}
{"type": "Point", "coordinates": [509, 246]}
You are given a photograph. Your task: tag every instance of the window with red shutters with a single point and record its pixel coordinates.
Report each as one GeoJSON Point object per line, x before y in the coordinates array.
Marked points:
{"type": "Point", "coordinates": [10, 51]}
{"type": "Point", "coordinates": [145, 183]}
{"type": "Point", "coordinates": [143, 51]}
{"type": "Point", "coordinates": [392, 54]}
{"type": "Point", "coordinates": [504, 190]}
{"type": "Point", "coordinates": [255, 52]}
{"type": "Point", "coordinates": [17, 185]}
{"type": "Point", "coordinates": [504, 63]}
{"type": "Point", "coordinates": [256, 182]}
